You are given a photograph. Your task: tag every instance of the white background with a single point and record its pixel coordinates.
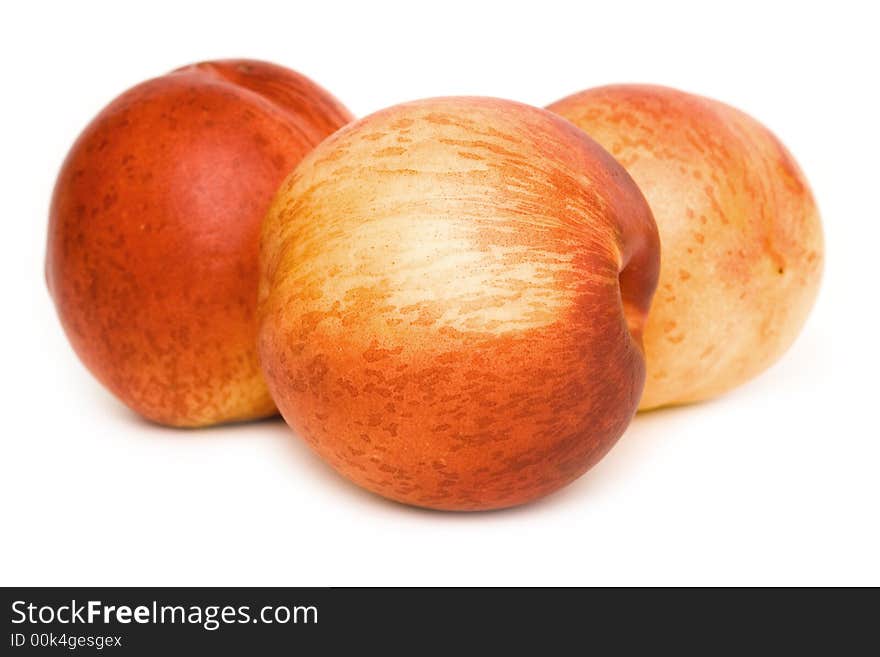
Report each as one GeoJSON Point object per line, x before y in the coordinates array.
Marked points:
{"type": "Point", "coordinates": [776, 483]}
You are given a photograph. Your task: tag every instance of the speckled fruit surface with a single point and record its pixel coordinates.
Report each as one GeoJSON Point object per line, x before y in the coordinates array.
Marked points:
{"type": "Point", "coordinates": [451, 302]}
{"type": "Point", "coordinates": [741, 236]}
{"type": "Point", "coordinates": [154, 233]}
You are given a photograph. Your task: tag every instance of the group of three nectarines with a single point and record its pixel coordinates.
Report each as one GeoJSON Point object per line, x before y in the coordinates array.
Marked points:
{"type": "Point", "coordinates": [450, 299]}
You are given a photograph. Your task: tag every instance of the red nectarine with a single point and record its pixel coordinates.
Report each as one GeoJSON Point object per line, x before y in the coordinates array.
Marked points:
{"type": "Point", "coordinates": [154, 230]}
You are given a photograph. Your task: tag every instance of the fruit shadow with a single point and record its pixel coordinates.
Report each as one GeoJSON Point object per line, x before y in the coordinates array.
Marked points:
{"type": "Point", "coordinates": [622, 461]}
{"type": "Point", "coordinates": [273, 428]}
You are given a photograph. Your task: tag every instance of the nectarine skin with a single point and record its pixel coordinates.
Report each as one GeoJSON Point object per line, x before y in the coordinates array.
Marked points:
{"type": "Point", "coordinates": [741, 236]}
{"type": "Point", "coordinates": [154, 233]}
{"type": "Point", "coordinates": [451, 302]}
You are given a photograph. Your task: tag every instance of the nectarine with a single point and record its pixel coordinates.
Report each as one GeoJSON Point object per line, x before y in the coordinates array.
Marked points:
{"type": "Point", "coordinates": [154, 231]}
{"type": "Point", "coordinates": [741, 237]}
{"type": "Point", "coordinates": [452, 299]}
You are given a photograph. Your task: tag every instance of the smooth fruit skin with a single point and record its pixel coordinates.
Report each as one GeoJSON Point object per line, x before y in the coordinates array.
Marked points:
{"type": "Point", "coordinates": [154, 234]}
{"type": "Point", "coordinates": [440, 302]}
{"type": "Point", "coordinates": [740, 232]}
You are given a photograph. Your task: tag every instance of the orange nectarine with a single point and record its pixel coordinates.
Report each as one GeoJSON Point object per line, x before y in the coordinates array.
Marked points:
{"type": "Point", "coordinates": [452, 299]}
{"type": "Point", "coordinates": [741, 237]}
